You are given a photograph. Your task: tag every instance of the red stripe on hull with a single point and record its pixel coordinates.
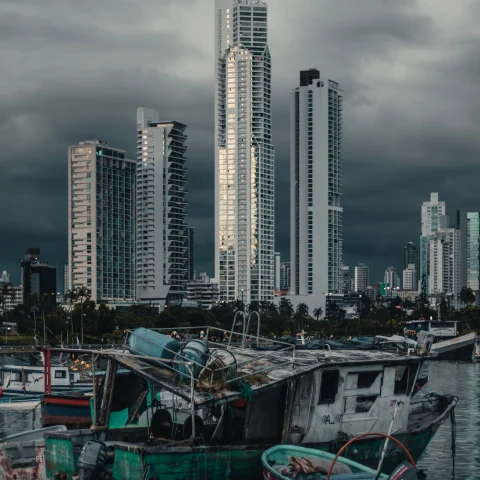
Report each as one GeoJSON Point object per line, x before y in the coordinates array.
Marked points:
{"type": "Point", "coordinates": [66, 401]}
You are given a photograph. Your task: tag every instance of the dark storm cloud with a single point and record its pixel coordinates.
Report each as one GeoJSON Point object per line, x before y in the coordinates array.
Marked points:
{"type": "Point", "coordinates": [78, 70]}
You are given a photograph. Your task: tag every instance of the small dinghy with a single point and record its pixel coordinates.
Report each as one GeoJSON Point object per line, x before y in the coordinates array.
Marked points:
{"type": "Point", "coordinates": [286, 462]}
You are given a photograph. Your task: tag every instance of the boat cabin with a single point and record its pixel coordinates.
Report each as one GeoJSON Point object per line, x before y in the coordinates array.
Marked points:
{"type": "Point", "coordinates": [439, 328]}
{"type": "Point", "coordinates": [17, 379]}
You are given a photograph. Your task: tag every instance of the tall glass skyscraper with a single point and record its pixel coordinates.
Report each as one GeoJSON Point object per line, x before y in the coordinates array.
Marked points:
{"type": "Point", "coordinates": [473, 250]}
{"type": "Point", "coordinates": [244, 157]}
{"type": "Point", "coordinates": [101, 221]}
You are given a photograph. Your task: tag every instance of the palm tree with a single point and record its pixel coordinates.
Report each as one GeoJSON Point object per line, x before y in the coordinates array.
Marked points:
{"type": "Point", "coordinates": [317, 313]}
{"type": "Point", "coordinates": [301, 314]}
{"type": "Point", "coordinates": [466, 296]}
{"type": "Point", "coordinates": [82, 292]}
{"type": "Point", "coordinates": [286, 308]}
{"type": "Point", "coordinates": [71, 296]}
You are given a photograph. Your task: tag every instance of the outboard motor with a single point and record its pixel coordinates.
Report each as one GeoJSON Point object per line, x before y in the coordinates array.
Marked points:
{"type": "Point", "coordinates": [406, 471]}
{"type": "Point", "coordinates": [92, 460]}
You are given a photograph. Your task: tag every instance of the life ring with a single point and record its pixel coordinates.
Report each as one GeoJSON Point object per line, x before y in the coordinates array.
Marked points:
{"type": "Point", "coordinates": [372, 434]}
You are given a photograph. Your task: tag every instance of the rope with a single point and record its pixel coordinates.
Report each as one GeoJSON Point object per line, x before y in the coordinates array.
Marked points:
{"type": "Point", "coordinates": [24, 415]}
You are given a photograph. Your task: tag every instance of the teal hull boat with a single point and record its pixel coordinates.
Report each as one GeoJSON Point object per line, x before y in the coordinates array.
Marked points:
{"type": "Point", "coordinates": [277, 465]}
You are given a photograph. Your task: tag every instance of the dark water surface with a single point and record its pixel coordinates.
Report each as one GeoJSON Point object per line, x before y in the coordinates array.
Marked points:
{"type": "Point", "coordinates": [461, 379]}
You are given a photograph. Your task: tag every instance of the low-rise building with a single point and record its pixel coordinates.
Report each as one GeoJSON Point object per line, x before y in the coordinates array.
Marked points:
{"type": "Point", "coordinates": [203, 291]}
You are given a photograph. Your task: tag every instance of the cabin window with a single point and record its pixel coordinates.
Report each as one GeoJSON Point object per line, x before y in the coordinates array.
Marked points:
{"type": "Point", "coordinates": [404, 379]}
{"type": "Point", "coordinates": [16, 377]}
{"type": "Point", "coordinates": [60, 374]}
{"type": "Point", "coordinates": [364, 404]}
{"type": "Point", "coordinates": [329, 386]}
{"type": "Point", "coordinates": [366, 379]}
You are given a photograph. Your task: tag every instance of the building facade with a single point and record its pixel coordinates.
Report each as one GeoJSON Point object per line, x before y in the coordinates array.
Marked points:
{"type": "Point", "coordinates": [445, 262]}
{"type": "Point", "coordinates": [391, 278]}
{"type": "Point", "coordinates": [411, 255]}
{"type": "Point", "coordinates": [101, 221]}
{"type": "Point", "coordinates": [361, 278]}
{"type": "Point", "coordinates": [38, 278]}
{"type": "Point", "coordinates": [276, 267]}
{"type": "Point", "coordinates": [161, 232]}
{"type": "Point", "coordinates": [285, 276]}
{"type": "Point", "coordinates": [473, 250]}
{"type": "Point", "coordinates": [244, 156]}
{"type": "Point", "coordinates": [347, 280]}
{"type": "Point", "coordinates": [430, 224]}
{"type": "Point", "coordinates": [191, 253]}
{"type": "Point", "coordinates": [410, 281]}
{"type": "Point", "coordinates": [316, 187]}
{"type": "Point", "coordinates": [203, 291]}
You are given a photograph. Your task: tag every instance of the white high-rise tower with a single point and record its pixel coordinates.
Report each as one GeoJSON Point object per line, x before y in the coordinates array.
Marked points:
{"type": "Point", "coordinates": [316, 186]}
{"type": "Point", "coordinates": [244, 157]}
{"type": "Point", "coordinates": [161, 229]}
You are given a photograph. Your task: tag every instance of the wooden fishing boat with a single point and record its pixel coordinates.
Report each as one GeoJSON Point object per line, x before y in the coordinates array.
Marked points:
{"type": "Point", "coordinates": [284, 462]}
{"type": "Point", "coordinates": [230, 403]}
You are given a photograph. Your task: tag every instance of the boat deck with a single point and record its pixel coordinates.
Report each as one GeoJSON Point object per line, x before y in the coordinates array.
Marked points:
{"type": "Point", "coordinates": [272, 368]}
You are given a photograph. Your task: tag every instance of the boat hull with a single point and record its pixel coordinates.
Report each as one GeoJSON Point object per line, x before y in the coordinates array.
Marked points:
{"type": "Point", "coordinates": [235, 462]}
{"type": "Point", "coordinates": [69, 410]}
{"type": "Point", "coordinates": [459, 348]}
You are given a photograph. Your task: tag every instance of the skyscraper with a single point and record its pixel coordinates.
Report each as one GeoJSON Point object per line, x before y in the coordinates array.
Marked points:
{"type": "Point", "coordinates": [244, 157]}
{"type": "Point", "coordinates": [391, 278]}
{"type": "Point", "coordinates": [191, 253]}
{"type": "Point", "coordinates": [473, 250]}
{"type": "Point", "coordinates": [410, 281]}
{"type": "Point", "coordinates": [285, 276]}
{"type": "Point", "coordinates": [431, 213]}
{"type": "Point", "coordinates": [161, 235]}
{"type": "Point", "coordinates": [316, 186]}
{"type": "Point", "coordinates": [361, 278]}
{"type": "Point", "coordinates": [347, 281]}
{"type": "Point", "coordinates": [444, 262]}
{"type": "Point", "coordinates": [411, 255]}
{"type": "Point", "coordinates": [101, 221]}
{"type": "Point", "coordinates": [276, 269]}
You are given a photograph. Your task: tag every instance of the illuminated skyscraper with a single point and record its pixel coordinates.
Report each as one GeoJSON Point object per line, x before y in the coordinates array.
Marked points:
{"type": "Point", "coordinates": [244, 157]}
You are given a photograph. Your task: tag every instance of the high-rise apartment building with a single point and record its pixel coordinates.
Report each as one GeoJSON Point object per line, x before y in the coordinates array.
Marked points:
{"type": "Point", "coordinates": [391, 278]}
{"type": "Point", "coordinates": [276, 270]}
{"type": "Point", "coordinates": [411, 255]}
{"type": "Point", "coordinates": [203, 291]}
{"type": "Point", "coordinates": [430, 217]}
{"type": "Point", "coordinates": [347, 281]}
{"type": "Point", "coordinates": [65, 278]}
{"type": "Point", "coordinates": [191, 253]}
{"type": "Point", "coordinates": [410, 281]}
{"type": "Point", "coordinates": [285, 276]}
{"type": "Point", "coordinates": [101, 221]}
{"type": "Point", "coordinates": [316, 186]}
{"type": "Point", "coordinates": [161, 230]}
{"type": "Point", "coordinates": [444, 261]}
{"type": "Point", "coordinates": [361, 278]}
{"type": "Point", "coordinates": [473, 250]}
{"type": "Point", "coordinates": [244, 157]}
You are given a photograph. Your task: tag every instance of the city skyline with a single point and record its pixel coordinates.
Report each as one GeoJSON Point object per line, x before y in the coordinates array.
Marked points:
{"type": "Point", "coordinates": [70, 105]}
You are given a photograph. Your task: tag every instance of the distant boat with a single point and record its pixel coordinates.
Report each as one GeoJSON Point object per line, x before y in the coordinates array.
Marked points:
{"type": "Point", "coordinates": [27, 380]}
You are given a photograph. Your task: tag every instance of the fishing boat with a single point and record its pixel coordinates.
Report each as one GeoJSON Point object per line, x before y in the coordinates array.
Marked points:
{"type": "Point", "coordinates": [71, 410]}
{"type": "Point", "coordinates": [448, 343]}
{"type": "Point", "coordinates": [19, 402]}
{"type": "Point", "coordinates": [228, 403]}
{"type": "Point", "coordinates": [18, 380]}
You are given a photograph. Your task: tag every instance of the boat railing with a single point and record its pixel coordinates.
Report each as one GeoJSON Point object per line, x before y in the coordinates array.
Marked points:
{"type": "Point", "coordinates": [246, 362]}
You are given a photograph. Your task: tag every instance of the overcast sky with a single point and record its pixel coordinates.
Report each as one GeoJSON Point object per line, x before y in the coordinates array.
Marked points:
{"type": "Point", "coordinates": [77, 70]}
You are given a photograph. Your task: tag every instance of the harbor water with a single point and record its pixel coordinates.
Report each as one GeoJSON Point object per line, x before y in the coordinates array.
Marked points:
{"type": "Point", "coordinates": [461, 379]}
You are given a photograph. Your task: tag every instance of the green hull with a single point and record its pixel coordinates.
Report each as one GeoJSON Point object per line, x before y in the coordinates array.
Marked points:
{"type": "Point", "coordinates": [220, 463]}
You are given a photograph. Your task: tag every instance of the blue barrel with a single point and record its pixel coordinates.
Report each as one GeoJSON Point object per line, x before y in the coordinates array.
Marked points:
{"type": "Point", "coordinates": [194, 351]}
{"type": "Point", "coordinates": [143, 341]}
